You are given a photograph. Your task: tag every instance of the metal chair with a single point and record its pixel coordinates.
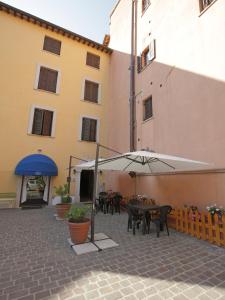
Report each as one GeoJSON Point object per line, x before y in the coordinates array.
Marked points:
{"type": "Point", "coordinates": [115, 203]}
{"type": "Point", "coordinates": [134, 216]}
{"type": "Point", "coordinates": [161, 220]}
{"type": "Point", "coordinates": [103, 199]}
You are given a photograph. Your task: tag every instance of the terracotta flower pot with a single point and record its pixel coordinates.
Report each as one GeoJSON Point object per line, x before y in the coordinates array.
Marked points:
{"type": "Point", "coordinates": [62, 209]}
{"type": "Point", "coordinates": [79, 231]}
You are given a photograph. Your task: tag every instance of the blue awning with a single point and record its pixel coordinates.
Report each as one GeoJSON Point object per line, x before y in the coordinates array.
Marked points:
{"type": "Point", "coordinates": [36, 165]}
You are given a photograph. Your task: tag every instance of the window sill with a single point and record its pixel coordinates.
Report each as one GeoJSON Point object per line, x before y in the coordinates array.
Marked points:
{"type": "Point", "coordinates": [83, 141]}
{"type": "Point", "coordinates": [97, 69]}
{"type": "Point", "coordinates": [205, 9]}
{"type": "Point", "coordinates": [47, 52]}
{"type": "Point", "coordinates": [52, 93]}
{"type": "Point", "coordinates": [147, 120]}
{"type": "Point", "coordinates": [42, 136]}
{"type": "Point", "coordinates": [91, 102]}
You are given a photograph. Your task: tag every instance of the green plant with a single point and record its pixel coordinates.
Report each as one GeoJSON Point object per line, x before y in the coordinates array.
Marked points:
{"type": "Point", "coordinates": [213, 209]}
{"type": "Point", "coordinates": [63, 192]}
{"type": "Point", "coordinates": [78, 213]}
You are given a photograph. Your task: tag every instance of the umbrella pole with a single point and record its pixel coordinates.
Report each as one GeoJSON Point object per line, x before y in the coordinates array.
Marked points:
{"type": "Point", "coordinates": [94, 194]}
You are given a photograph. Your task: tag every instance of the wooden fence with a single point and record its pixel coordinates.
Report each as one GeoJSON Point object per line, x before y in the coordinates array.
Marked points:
{"type": "Point", "coordinates": [199, 224]}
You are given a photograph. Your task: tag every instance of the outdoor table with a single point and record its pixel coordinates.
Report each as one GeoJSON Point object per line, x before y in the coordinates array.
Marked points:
{"type": "Point", "coordinates": [144, 208]}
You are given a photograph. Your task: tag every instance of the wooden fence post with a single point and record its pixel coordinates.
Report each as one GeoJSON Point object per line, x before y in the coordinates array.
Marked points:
{"type": "Point", "coordinates": [217, 229]}
{"type": "Point", "coordinates": [186, 220]}
{"type": "Point", "coordinates": [223, 229]}
{"type": "Point", "coordinates": [203, 226]}
{"type": "Point", "coordinates": [176, 216]}
{"type": "Point", "coordinates": [210, 228]}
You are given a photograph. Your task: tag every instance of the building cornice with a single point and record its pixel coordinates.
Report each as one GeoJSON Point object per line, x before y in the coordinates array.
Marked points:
{"type": "Point", "coordinates": [50, 26]}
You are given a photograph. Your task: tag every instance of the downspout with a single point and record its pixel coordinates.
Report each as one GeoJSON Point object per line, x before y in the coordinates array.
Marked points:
{"type": "Point", "coordinates": [132, 75]}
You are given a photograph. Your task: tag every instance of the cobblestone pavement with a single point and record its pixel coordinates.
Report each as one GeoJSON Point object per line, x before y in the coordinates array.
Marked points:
{"type": "Point", "coordinates": [36, 262]}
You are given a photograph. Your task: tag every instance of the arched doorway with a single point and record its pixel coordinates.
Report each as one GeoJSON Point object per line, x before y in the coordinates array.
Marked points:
{"type": "Point", "coordinates": [36, 171]}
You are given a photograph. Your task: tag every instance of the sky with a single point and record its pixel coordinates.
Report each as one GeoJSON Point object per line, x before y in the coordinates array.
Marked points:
{"type": "Point", "coordinates": [89, 18]}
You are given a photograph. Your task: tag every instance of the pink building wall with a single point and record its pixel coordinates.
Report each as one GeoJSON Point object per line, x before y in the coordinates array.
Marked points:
{"type": "Point", "coordinates": [187, 84]}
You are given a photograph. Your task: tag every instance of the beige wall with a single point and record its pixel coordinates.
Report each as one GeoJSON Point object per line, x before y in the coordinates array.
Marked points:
{"type": "Point", "coordinates": [187, 83]}
{"type": "Point", "coordinates": [21, 51]}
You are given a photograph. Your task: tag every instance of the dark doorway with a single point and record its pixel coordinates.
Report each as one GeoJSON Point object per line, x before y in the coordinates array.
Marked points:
{"type": "Point", "coordinates": [86, 185]}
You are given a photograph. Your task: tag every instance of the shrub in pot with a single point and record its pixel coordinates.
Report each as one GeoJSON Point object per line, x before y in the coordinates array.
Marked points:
{"type": "Point", "coordinates": [78, 223]}
{"type": "Point", "coordinates": [63, 207]}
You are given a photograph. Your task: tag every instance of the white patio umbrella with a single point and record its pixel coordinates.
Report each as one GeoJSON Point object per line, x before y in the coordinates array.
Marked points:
{"type": "Point", "coordinates": [146, 162]}
{"type": "Point", "coordinates": [141, 162]}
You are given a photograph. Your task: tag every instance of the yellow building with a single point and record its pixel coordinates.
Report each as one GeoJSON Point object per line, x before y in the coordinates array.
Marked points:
{"type": "Point", "coordinates": [54, 92]}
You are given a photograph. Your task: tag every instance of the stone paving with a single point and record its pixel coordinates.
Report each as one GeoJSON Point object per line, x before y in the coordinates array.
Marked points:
{"type": "Point", "coordinates": [36, 262]}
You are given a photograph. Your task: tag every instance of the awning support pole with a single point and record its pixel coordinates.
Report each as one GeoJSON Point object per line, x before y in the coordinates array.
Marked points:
{"type": "Point", "coordinates": [94, 194]}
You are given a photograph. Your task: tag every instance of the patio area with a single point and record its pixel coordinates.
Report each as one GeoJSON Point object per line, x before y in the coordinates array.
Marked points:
{"type": "Point", "coordinates": [36, 262]}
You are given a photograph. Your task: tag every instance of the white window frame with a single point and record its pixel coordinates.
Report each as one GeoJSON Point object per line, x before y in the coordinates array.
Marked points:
{"type": "Point", "coordinates": [83, 89]}
{"type": "Point", "coordinates": [31, 119]}
{"type": "Point", "coordinates": [38, 68]}
{"type": "Point", "coordinates": [97, 129]}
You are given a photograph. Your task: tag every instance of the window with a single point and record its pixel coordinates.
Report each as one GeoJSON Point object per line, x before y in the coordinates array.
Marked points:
{"type": "Point", "coordinates": [147, 56]}
{"type": "Point", "coordinates": [91, 91]}
{"type": "Point", "coordinates": [89, 130]}
{"type": "Point", "coordinates": [42, 122]}
{"type": "Point", "coordinates": [148, 113]}
{"type": "Point", "coordinates": [52, 45]}
{"type": "Point", "coordinates": [93, 60]}
{"type": "Point", "coordinates": [204, 3]}
{"type": "Point", "coordinates": [47, 79]}
{"type": "Point", "coordinates": [145, 5]}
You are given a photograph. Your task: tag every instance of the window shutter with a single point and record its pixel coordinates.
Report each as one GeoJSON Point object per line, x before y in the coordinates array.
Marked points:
{"type": "Point", "coordinates": [47, 79]}
{"type": "Point", "coordinates": [151, 55]}
{"type": "Point", "coordinates": [85, 129]}
{"type": "Point", "coordinates": [138, 64]}
{"type": "Point", "coordinates": [52, 80]}
{"type": "Point", "coordinates": [93, 60]}
{"type": "Point", "coordinates": [91, 91]}
{"type": "Point", "coordinates": [37, 121]}
{"type": "Point", "coordinates": [89, 127]}
{"type": "Point", "coordinates": [145, 5]}
{"type": "Point", "coordinates": [52, 45]}
{"type": "Point", "coordinates": [148, 113]}
{"type": "Point", "coordinates": [93, 126]}
{"type": "Point", "coordinates": [47, 123]}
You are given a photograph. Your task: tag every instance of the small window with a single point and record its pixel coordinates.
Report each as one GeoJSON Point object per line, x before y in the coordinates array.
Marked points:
{"type": "Point", "coordinates": [145, 5]}
{"type": "Point", "coordinates": [48, 79]}
{"type": "Point", "coordinates": [91, 90]}
{"type": "Point", "coordinates": [52, 45]}
{"type": "Point", "coordinates": [147, 56]}
{"type": "Point", "coordinates": [42, 122]}
{"type": "Point", "coordinates": [89, 130]}
{"type": "Point", "coordinates": [93, 60]}
{"type": "Point", "coordinates": [148, 113]}
{"type": "Point", "coordinates": [204, 3]}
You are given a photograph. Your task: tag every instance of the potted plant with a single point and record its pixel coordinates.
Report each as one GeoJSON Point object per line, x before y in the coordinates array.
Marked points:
{"type": "Point", "coordinates": [78, 223]}
{"type": "Point", "coordinates": [63, 207]}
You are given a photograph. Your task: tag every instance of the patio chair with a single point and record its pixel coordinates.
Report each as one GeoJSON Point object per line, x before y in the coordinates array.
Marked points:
{"type": "Point", "coordinates": [103, 201]}
{"type": "Point", "coordinates": [161, 220]}
{"type": "Point", "coordinates": [134, 216]}
{"type": "Point", "coordinates": [115, 202]}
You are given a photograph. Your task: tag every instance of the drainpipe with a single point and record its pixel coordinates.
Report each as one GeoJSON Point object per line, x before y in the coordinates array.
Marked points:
{"type": "Point", "coordinates": [132, 76]}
